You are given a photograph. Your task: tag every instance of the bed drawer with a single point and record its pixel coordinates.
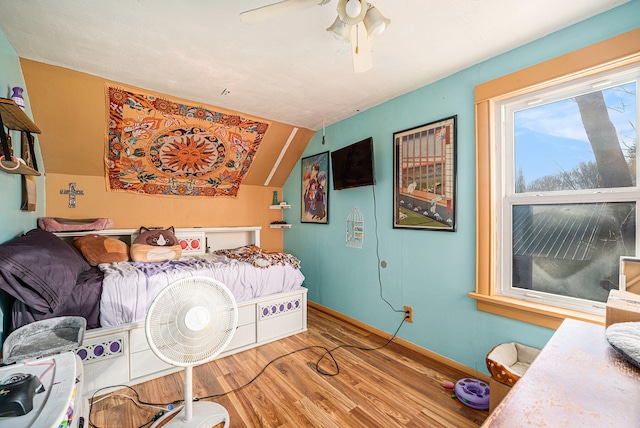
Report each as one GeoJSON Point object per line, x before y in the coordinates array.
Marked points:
{"type": "Point", "coordinates": [100, 374]}
{"type": "Point", "coordinates": [246, 314]}
{"type": "Point", "coordinates": [244, 335]}
{"type": "Point", "coordinates": [281, 317]}
{"type": "Point", "coordinates": [105, 359]}
{"type": "Point", "coordinates": [246, 317]}
{"type": "Point", "coordinates": [279, 327]}
{"type": "Point", "coordinates": [145, 363]}
{"type": "Point", "coordinates": [138, 340]}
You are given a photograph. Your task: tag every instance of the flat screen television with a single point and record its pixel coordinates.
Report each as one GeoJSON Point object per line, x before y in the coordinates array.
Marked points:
{"type": "Point", "coordinates": [352, 166]}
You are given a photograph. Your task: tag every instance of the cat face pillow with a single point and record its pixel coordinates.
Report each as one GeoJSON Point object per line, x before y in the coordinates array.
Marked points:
{"type": "Point", "coordinates": [155, 245]}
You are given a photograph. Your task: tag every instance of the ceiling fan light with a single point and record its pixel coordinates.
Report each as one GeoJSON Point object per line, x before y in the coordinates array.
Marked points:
{"type": "Point", "coordinates": [344, 5]}
{"type": "Point", "coordinates": [353, 8]}
{"type": "Point", "coordinates": [375, 22]}
{"type": "Point", "coordinates": [340, 30]}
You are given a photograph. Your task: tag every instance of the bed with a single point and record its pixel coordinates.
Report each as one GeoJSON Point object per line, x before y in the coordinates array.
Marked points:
{"type": "Point", "coordinates": [46, 277]}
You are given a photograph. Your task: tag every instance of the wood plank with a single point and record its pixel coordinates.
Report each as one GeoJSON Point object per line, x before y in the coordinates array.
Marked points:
{"type": "Point", "coordinates": [389, 387]}
{"type": "Point", "coordinates": [12, 167]}
{"type": "Point", "coordinates": [15, 118]}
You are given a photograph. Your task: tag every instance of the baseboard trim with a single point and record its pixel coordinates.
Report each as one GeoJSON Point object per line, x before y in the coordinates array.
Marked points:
{"type": "Point", "coordinates": [402, 342]}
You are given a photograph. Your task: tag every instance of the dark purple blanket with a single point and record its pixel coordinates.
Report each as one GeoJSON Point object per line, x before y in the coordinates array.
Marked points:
{"type": "Point", "coordinates": [83, 301]}
{"type": "Point", "coordinates": [44, 277]}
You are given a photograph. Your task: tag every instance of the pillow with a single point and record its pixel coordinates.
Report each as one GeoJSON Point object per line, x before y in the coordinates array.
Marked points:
{"type": "Point", "coordinates": [53, 224]}
{"type": "Point", "coordinates": [40, 269]}
{"type": "Point", "coordinates": [624, 338]}
{"type": "Point", "coordinates": [98, 249]}
{"type": "Point", "coordinates": [155, 245]}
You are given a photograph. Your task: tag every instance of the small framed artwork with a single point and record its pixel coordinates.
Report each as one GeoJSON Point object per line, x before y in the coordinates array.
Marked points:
{"type": "Point", "coordinates": [424, 176]}
{"type": "Point", "coordinates": [315, 189]}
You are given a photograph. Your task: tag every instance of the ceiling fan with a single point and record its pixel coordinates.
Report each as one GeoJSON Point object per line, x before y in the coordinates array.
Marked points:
{"type": "Point", "coordinates": [357, 22]}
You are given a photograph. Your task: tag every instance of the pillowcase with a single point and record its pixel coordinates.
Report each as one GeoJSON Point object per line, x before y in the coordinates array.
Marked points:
{"type": "Point", "coordinates": [98, 249]}
{"type": "Point", "coordinates": [40, 269]}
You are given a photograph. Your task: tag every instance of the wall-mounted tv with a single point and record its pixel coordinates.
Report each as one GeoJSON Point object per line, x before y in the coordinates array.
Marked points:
{"type": "Point", "coordinates": [352, 166]}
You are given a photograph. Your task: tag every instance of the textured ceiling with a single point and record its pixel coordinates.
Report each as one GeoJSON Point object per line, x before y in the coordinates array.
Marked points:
{"type": "Point", "coordinates": [288, 69]}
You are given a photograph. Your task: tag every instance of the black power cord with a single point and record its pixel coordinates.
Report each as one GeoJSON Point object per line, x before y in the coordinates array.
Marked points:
{"type": "Point", "coordinates": [328, 353]}
{"type": "Point", "coordinates": [136, 399]}
{"type": "Point", "coordinates": [375, 219]}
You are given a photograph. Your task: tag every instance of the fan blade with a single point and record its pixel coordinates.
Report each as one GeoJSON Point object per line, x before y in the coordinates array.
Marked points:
{"type": "Point", "coordinates": [361, 49]}
{"type": "Point", "coordinates": [276, 10]}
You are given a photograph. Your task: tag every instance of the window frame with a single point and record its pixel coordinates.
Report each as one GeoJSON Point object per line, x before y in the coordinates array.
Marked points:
{"type": "Point", "coordinates": [608, 55]}
{"type": "Point", "coordinates": [509, 197]}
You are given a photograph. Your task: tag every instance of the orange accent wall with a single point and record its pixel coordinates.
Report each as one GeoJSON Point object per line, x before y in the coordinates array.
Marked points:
{"type": "Point", "coordinates": [69, 107]}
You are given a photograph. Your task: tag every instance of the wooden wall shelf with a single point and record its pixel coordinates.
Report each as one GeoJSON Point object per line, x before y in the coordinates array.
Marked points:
{"type": "Point", "coordinates": [8, 167]}
{"type": "Point", "coordinates": [280, 226]}
{"type": "Point", "coordinates": [14, 118]}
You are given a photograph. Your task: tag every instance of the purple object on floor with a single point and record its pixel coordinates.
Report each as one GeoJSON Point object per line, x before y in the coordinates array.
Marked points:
{"type": "Point", "coordinates": [473, 392]}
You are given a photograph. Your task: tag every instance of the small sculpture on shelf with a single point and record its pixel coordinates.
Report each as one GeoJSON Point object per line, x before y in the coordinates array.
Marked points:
{"type": "Point", "coordinates": [17, 96]}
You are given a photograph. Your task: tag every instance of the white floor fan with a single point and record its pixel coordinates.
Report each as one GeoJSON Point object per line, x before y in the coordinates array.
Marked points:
{"type": "Point", "coordinates": [190, 322]}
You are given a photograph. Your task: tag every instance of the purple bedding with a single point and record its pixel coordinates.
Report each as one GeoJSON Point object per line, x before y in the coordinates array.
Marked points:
{"type": "Point", "coordinates": [84, 301]}
{"type": "Point", "coordinates": [47, 278]}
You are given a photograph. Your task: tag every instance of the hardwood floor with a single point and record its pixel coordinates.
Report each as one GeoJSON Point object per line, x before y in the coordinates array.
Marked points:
{"type": "Point", "coordinates": [388, 387]}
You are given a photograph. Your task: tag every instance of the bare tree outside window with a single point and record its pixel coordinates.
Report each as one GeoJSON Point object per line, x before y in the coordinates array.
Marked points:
{"type": "Point", "coordinates": [586, 141]}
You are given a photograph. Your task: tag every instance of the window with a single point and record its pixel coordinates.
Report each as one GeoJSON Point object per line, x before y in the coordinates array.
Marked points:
{"type": "Point", "coordinates": [556, 187]}
{"type": "Point", "coordinates": [567, 211]}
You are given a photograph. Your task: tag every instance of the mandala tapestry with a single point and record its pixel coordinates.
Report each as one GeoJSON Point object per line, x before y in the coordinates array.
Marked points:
{"type": "Point", "coordinates": [156, 146]}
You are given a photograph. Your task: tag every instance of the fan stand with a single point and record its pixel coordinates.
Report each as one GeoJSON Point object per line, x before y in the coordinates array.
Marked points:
{"type": "Point", "coordinates": [188, 323]}
{"type": "Point", "coordinates": [208, 414]}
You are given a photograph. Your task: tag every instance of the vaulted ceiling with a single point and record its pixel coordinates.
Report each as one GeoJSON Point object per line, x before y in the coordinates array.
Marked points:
{"type": "Point", "coordinates": [288, 69]}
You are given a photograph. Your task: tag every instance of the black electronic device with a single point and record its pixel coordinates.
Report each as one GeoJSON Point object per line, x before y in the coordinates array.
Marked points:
{"type": "Point", "coordinates": [353, 165]}
{"type": "Point", "coordinates": [17, 392]}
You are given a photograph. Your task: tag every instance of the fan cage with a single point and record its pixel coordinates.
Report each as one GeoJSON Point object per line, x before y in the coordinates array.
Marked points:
{"type": "Point", "coordinates": [191, 321]}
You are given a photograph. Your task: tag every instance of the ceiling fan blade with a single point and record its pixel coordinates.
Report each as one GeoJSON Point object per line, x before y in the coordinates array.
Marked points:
{"type": "Point", "coordinates": [361, 49]}
{"type": "Point", "coordinates": [275, 10]}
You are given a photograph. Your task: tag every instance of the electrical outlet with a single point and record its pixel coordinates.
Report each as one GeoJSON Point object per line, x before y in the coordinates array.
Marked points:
{"type": "Point", "coordinates": [408, 313]}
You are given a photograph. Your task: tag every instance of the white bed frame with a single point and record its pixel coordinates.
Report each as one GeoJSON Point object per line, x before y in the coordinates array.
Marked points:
{"type": "Point", "coordinates": [120, 355]}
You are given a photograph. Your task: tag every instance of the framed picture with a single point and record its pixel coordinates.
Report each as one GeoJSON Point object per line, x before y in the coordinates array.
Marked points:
{"type": "Point", "coordinates": [424, 176]}
{"type": "Point", "coordinates": [315, 189]}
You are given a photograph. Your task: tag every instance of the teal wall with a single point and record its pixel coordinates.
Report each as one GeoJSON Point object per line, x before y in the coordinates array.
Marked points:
{"type": "Point", "coordinates": [13, 221]}
{"type": "Point", "coordinates": [432, 271]}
